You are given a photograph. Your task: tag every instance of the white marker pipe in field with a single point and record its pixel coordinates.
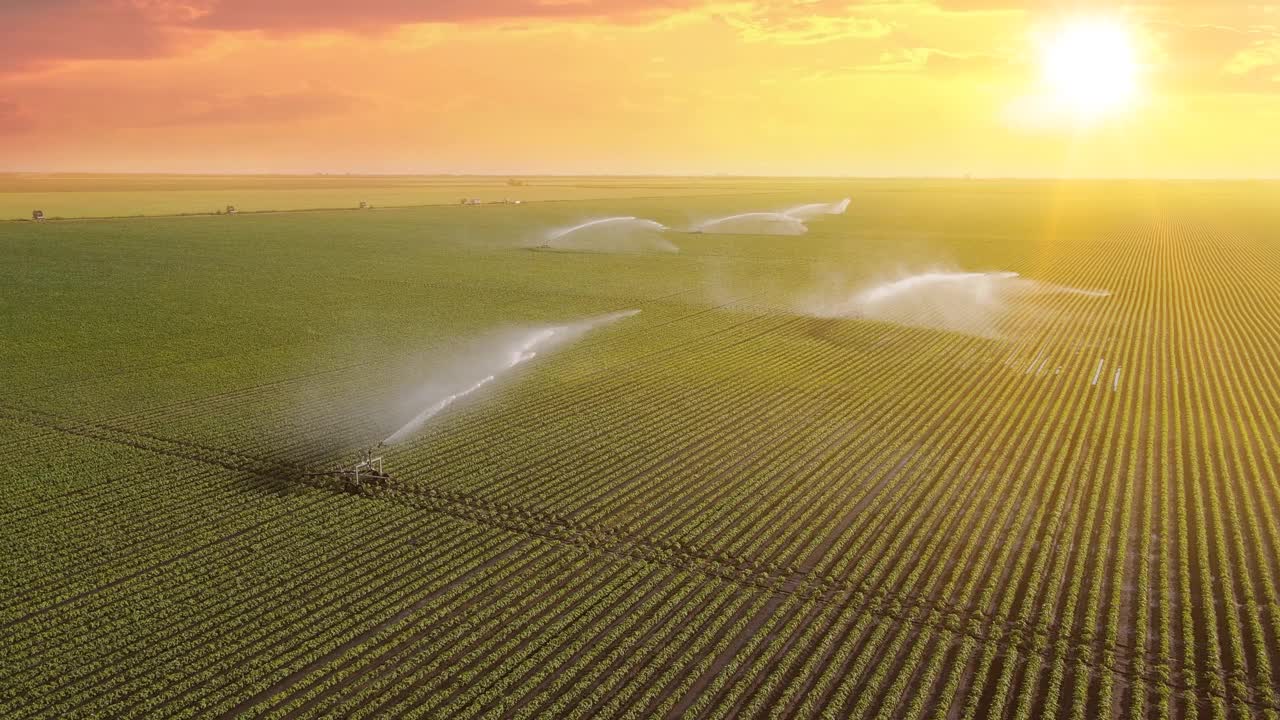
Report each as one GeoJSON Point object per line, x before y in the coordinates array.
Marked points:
{"type": "Point", "coordinates": [1098, 373]}
{"type": "Point", "coordinates": [1115, 386]}
{"type": "Point", "coordinates": [1031, 368]}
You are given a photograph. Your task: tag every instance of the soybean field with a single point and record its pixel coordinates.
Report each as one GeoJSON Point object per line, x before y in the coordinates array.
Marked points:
{"type": "Point", "coordinates": [724, 449]}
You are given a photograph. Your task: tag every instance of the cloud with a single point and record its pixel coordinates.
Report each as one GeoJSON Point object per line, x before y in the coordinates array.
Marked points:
{"type": "Point", "coordinates": [806, 23]}
{"type": "Point", "coordinates": [984, 5]}
{"type": "Point", "coordinates": [1256, 68]}
{"type": "Point", "coordinates": [928, 61]}
{"type": "Point", "coordinates": [935, 62]}
{"type": "Point", "coordinates": [1250, 60]}
{"type": "Point", "coordinates": [1202, 57]}
{"type": "Point", "coordinates": [1212, 43]}
{"type": "Point", "coordinates": [1074, 6]}
{"type": "Point", "coordinates": [300, 15]}
{"type": "Point", "coordinates": [37, 32]}
{"type": "Point", "coordinates": [812, 30]}
{"type": "Point", "coordinates": [33, 32]}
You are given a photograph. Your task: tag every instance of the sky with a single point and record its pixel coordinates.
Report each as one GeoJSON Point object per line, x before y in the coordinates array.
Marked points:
{"type": "Point", "coordinates": [754, 87]}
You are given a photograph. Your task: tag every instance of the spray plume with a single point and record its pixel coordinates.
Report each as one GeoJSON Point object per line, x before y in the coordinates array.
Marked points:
{"type": "Point", "coordinates": [787, 222]}
{"type": "Point", "coordinates": [525, 348]}
{"type": "Point", "coordinates": [972, 303]}
{"type": "Point", "coordinates": [754, 223]}
{"type": "Point", "coordinates": [816, 210]}
{"type": "Point", "coordinates": [615, 234]}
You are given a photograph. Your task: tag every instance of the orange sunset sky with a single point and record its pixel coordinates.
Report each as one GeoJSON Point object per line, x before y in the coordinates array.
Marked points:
{"type": "Point", "coordinates": [768, 87]}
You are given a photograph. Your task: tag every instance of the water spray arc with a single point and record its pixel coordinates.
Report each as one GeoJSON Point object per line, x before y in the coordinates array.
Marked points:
{"type": "Point", "coordinates": [523, 353]}
{"type": "Point", "coordinates": [754, 223]}
{"type": "Point", "coordinates": [525, 349]}
{"type": "Point", "coordinates": [638, 223]}
{"type": "Point", "coordinates": [979, 283]}
{"type": "Point", "coordinates": [971, 303]}
{"type": "Point", "coordinates": [813, 211]}
{"type": "Point", "coordinates": [624, 233]}
{"type": "Point", "coordinates": [786, 222]}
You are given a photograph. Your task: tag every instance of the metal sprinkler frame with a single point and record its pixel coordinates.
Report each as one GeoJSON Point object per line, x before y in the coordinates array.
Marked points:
{"type": "Point", "coordinates": [367, 473]}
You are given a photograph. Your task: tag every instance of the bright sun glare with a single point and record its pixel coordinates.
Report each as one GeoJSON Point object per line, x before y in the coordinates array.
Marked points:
{"type": "Point", "coordinates": [1090, 68]}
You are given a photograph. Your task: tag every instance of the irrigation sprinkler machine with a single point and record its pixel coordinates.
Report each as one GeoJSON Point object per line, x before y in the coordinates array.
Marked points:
{"type": "Point", "coordinates": [364, 476]}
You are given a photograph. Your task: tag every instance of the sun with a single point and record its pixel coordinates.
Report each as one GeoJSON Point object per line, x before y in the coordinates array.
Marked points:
{"type": "Point", "coordinates": [1089, 67]}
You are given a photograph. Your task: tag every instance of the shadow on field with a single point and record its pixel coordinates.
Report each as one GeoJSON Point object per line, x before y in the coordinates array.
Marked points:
{"type": "Point", "coordinates": [289, 472]}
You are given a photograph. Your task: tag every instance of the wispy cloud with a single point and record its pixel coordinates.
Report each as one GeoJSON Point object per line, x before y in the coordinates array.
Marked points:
{"type": "Point", "coordinates": [802, 23]}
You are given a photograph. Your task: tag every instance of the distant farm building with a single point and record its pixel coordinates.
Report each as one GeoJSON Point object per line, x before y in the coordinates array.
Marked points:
{"type": "Point", "coordinates": [364, 204]}
{"type": "Point", "coordinates": [470, 201]}
{"type": "Point", "coordinates": [37, 215]}
{"type": "Point", "coordinates": [231, 210]}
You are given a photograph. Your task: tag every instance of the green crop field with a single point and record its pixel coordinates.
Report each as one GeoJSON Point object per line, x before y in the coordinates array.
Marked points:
{"type": "Point", "coordinates": [88, 195]}
{"type": "Point", "coordinates": [863, 471]}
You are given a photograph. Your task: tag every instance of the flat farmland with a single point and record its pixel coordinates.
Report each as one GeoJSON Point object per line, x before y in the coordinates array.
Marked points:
{"type": "Point", "coordinates": [967, 449]}
{"type": "Point", "coordinates": [80, 195]}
